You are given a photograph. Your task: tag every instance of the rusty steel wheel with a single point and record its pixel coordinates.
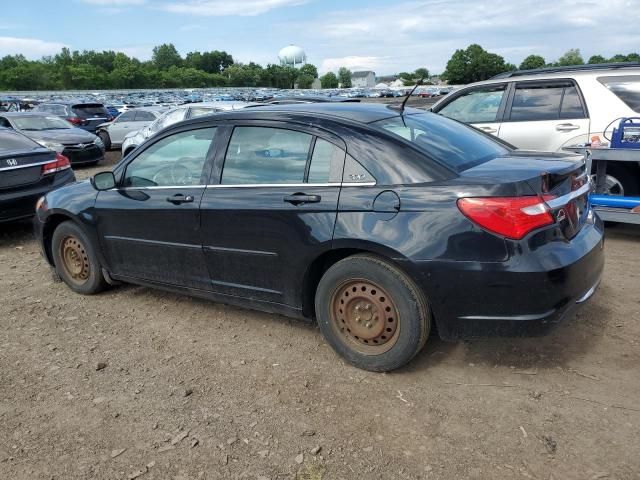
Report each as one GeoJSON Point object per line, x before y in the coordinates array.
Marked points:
{"type": "Point", "coordinates": [75, 260]}
{"type": "Point", "coordinates": [365, 317]}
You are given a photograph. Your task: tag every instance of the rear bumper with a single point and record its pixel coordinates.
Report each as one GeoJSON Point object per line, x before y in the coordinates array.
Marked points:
{"type": "Point", "coordinates": [525, 296]}
{"type": "Point", "coordinates": [21, 203]}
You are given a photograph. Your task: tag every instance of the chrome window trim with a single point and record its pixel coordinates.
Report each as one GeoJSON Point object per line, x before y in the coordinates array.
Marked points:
{"type": "Point", "coordinates": [3, 169]}
{"type": "Point", "coordinates": [254, 185]}
{"type": "Point", "coordinates": [565, 199]}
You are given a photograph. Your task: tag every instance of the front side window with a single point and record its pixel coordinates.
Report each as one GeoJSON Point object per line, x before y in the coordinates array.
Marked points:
{"type": "Point", "coordinates": [264, 155]}
{"type": "Point", "coordinates": [626, 88]}
{"type": "Point", "coordinates": [173, 161]}
{"type": "Point", "coordinates": [476, 106]}
{"type": "Point", "coordinates": [456, 145]}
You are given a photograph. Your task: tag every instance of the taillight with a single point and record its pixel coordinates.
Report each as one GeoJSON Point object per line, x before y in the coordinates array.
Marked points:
{"type": "Point", "coordinates": [60, 163]}
{"type": "Point", "coordinates": [511, 217]}
{"type": "Point", "coordinates": [75, 120]}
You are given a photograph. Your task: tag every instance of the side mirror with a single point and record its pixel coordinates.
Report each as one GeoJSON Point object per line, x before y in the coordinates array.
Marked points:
{"type": "Point", "coordinates": [103, 181]}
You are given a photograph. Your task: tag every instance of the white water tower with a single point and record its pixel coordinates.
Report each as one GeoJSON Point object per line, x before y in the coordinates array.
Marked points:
{"type": "Point", "coordinates": [292, 56]}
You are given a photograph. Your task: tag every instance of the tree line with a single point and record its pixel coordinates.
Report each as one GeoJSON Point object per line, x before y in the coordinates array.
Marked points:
{"type": "Point", "coordinates": [89, 70]}
{"type": "Point", "coordinates": [475, 64]}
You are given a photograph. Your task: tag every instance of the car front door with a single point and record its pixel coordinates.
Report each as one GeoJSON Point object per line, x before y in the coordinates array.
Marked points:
{"type": "Point", "coordinates": [481, 106]}
{"type": "Point", "coordinates": [273, 210]}
{"type": "Point", "coordinates": [545, 115]}
{"type": "Point", "coordinates": [149, 225]}
{"type": "Point", "coordinates": [123, 124]}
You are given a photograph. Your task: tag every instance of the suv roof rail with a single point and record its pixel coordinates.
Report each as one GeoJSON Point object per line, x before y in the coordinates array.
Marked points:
{"type": "Point", "coordinates": [571, 68]}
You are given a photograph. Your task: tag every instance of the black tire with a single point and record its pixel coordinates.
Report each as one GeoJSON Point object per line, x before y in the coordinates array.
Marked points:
{"type": "Point", "coordinates": [413, 321]}
{"type": "Point", "coordinates": [106, 139]}
{"type": "Point", "coordinates": [70, 245]}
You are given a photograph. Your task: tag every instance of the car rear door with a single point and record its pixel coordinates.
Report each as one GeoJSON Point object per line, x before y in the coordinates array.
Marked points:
{"type": "Point", "coordinates": [271, 210]}
{"type": "Point", "coordinates": [150, 225]}
{"type": "Point", "coordinates": [545, 115]}
{"type": "Point", "coordinates": [481, 106]}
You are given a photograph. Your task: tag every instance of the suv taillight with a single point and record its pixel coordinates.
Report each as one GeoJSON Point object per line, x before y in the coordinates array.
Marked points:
{"type": "Point", "coordinates": [511, 217]}
{"type": "Point", "coordinates": [75, 120]}
{"type": "Point", "coordinates": [60, 163]}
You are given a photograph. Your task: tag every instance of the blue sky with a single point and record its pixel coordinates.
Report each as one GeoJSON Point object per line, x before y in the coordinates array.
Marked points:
{"type": "Point", "coordinates": [387, 36]}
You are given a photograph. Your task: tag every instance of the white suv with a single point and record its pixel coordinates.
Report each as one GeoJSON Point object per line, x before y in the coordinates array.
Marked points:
{"type": "Point", "coordinates": [553, 108]}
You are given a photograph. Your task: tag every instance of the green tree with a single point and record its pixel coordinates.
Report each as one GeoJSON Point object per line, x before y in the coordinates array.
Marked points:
{"type": "Point", "coordinates": [473, 65]}
{"type": "Point", "coordinates": [306, 75]}
{"type": "Point", "coordinates": [344, 76]}
{"type": "Point", "coordinates": [329, 80]}
{"type": "Point", "coordinates": [570, 57]}
{"type": "Point", "coordinates": [166, 56]}
{"type": "Point", "coordinates": [421, 73]}
{"type": "Point", "coordinates": [595, 59]}
{"type": "Point", "coordinates": [532, 61]}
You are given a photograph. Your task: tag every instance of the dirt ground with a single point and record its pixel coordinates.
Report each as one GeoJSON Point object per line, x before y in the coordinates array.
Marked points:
{"type": "Point", "coordinates": [138, 383]}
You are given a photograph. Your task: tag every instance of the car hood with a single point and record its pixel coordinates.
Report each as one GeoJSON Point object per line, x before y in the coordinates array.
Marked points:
{"type": "Point", "coordinates": [67, 136]}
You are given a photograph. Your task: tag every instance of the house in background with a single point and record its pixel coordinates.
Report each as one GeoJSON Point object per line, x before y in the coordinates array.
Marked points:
{"type": "Point", "coordinates": [364, 79]}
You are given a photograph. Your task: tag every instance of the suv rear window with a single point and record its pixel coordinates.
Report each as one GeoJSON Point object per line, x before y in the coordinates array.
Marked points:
{"type": "Point", "coordinates": [454, 144]}
{"type": "Point", "coordinates": [12, 141]}
{"type": "Point", "coordinates": [89, 110]}
{"type": "Point", "coordinates": [626, 88]}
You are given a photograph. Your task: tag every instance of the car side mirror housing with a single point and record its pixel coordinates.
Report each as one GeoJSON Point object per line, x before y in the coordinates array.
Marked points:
{"type": "Point", "coordinates": [103, 181]}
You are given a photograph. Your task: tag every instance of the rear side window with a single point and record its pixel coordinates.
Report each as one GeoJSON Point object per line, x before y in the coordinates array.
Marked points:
{"type": "Point", "coordinates": [55, 109]}
{"type": "Point", "coordinates": [476, 106]}
{"type": "Point", "coordinates": [451, 143]}
{"type": "Point", "coordinates": [545, 102]}
{"type": "Point", "coordinates": [90, 110]}
{"type": "Point", "coordinates": [626, 88]}
{"type": "Point", "coordinates": [144, 117]}
{"type": "Point", "coordinates": [264, 155]}
{"type": "Point", "coordinates": [326, 162]}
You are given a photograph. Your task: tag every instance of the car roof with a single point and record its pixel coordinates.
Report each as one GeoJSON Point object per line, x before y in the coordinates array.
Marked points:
{"type": "Point", "coordinates": [356, 112]}
{"type": "Point", "coordinates": [223, 103]}
{"type": "Point", "coordinates": [71, 102]}
{"type": "Point", "coordinates": [26, 114]}
{"type": "Point", "coordinates": [552, 73]}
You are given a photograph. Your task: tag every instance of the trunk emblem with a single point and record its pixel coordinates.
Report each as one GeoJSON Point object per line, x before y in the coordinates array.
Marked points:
{"type": "Point", "coordinates": [12, 162]}
{"type": "Point", "coordinates": [562, 215]}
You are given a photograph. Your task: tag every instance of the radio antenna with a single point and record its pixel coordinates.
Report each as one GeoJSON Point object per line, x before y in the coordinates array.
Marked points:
{"type": "Point", "coordinates": [404, 102]}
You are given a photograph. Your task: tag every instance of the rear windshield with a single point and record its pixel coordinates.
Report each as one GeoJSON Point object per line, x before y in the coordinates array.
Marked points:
{"type": "Point", "coordinates": [37, 122]}
{"type": "Point", "coordinates": [454, 144]}
{"type": "Point", "coordinates": [626, 88]}
{"type": "Point", "coordinates": [90, 110]}
{"type": "Point", "coordinates": [11, 141]}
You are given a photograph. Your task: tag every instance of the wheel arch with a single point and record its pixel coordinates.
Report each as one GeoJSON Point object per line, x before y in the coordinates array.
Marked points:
{"type": "Point", "coordinates": [340, 251]}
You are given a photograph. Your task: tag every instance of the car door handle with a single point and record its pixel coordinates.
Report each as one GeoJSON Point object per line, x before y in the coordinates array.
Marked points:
{"type": "Point", "coordinates": [567, 127]}
{"type": "Point", "coordinates": [179, 198]}
{"type": "Point", "coordinates": [489, 129]}
{"type": "Point", "coordinates": [300, 198]}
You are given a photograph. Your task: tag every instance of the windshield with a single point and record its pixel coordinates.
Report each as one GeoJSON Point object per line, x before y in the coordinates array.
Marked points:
{"type": "Point", "coordinates": [454, 144]}
{"type": "Point", "coordinates": [37, 122]}
{"type": "Point", "coordinates": [626, 88]}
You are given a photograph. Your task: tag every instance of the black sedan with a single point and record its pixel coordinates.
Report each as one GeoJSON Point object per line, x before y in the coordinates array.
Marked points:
{"type": "Point", "coordinates": [378, 223]}
{"type": "Point", "coordinates": [27, 172]}
{"type": "Point", "coordinates": [78, 145]}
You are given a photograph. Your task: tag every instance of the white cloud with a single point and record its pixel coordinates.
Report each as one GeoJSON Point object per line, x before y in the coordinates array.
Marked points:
{"type": "Point", "coordinates": [352, 63]}
{"type": "Point", "coordinates": [219, 8]}
{"type": "Point", "coordinates": [29, 47]}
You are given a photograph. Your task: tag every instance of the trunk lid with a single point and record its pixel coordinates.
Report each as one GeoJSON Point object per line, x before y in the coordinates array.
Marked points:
{"type": "Point", "coordinates": [22, 168]}
{"type": "Point", "coordinates": [560, 179]}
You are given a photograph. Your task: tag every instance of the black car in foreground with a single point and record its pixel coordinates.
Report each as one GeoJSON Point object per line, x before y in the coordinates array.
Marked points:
{"type": "Point", "coordinates": [27, 172]}
{"type": "Point", "coordinates": [55, 133]}
{"type": "Point", "coordinates": [380, 224]}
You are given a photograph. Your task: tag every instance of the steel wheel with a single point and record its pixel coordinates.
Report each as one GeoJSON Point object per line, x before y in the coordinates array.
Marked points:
{"type": "Point", "coordinates": [365, 317]}
{"type": "Point", "coordinates": [75, 260]}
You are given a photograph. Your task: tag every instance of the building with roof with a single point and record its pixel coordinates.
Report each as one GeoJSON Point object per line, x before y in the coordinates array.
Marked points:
{"type": "Point", "coordinates": [363, 79]}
